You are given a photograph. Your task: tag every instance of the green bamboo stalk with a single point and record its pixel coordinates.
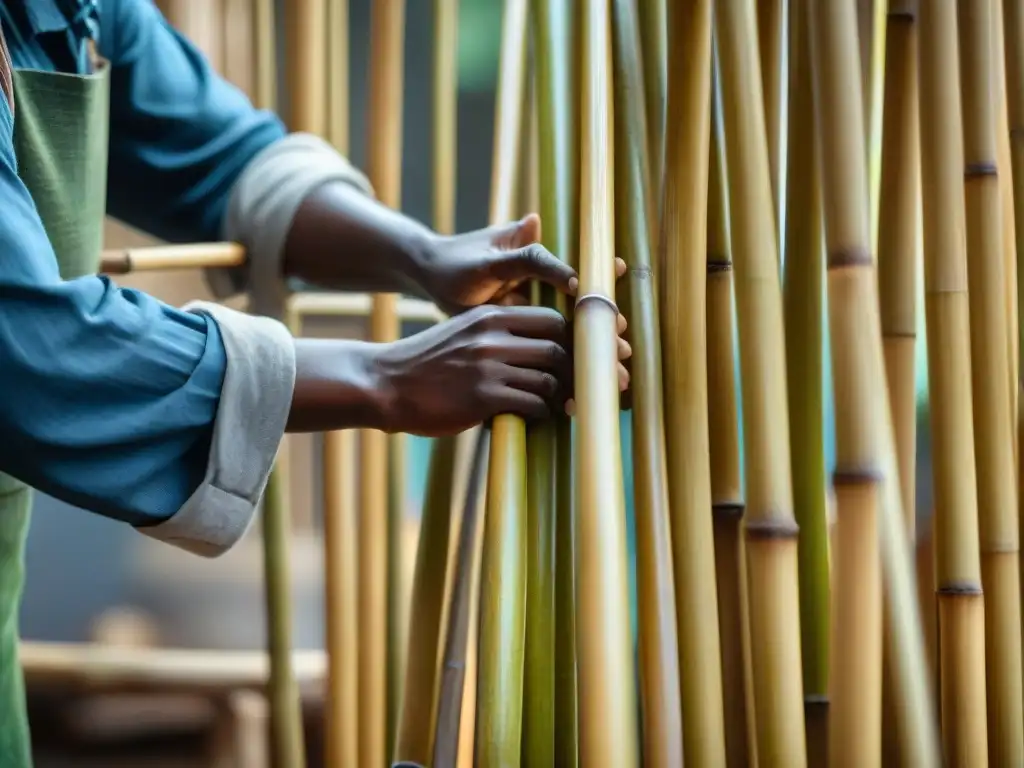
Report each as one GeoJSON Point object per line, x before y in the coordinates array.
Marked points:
{"type": "Point", "coordinates": [771, 38]}
{"type": "Point", "coordinates": [658, 643]}
{"type": "Point", "coordinates": [654, 47]}
{"type": "Point", "coordinates": [607, 699]}
{"type": "Point", "coordinates": [803, 289]}
{"type": "Point", "coordinates": [503, 586]}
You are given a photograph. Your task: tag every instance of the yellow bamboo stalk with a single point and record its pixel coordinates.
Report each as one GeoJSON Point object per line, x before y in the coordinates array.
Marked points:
{"type": "Point", "coordinates": [503, 587]}
{"type": "Point", "coordinates": [961, 603]}
{"type": "Point", "coordinates": [871, 23]}
{"type": "Point", "coordinates": [607, 699]}
{"type": "Point", "coordinates": [658, 645]}
{"type": "Point", "coordinates": [264, 28]}
{"type": "Point", "coordinates": [306, 65]}
{"type": "Point", "coordinates": [683, 326]}
{"type": "Point", "coordinates": [990, 363]}
{"type": "Point", "coordinates": [168, 257]}
{"type": "Point", "coordinates": [384, 166]}
{"type": "Point", "coordinates": [771, 38]}
{"type": "Point", "coordinates": [337, 32]}
{"type": "Point", "coordinates": [654, 47]}
{"type": "Point", "coordinates": [724, 448]}
{"type": "Point", "coordinates": [771, 533]}
{"type": "Point", "coordinates": [867, 472]}
{"type": "Point", "coordinates": [803, 272]}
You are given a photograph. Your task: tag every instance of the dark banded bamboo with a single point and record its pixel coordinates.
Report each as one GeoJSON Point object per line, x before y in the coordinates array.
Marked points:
{"type": "Point", "coordinates": [503, 587]}
{"type": "Point", "coordinates": [724, 448]}
{"type": "Point", "coordinates": [990, 362]}
{"type": "Point", "coordinates": [607, 699]}
{"type": "Point", "coordinates": [683, 327]}
{"type": "Point", "coordinates": [657, 639]}
{"type": "Point", "coordinates": [867, 473]}
{"type": "Point", "coordinates": [960, 601]}
{"type": "Point", "coordinates": [770, 530]}
{"type": "Point", "coordinates": [803, 286]}
{"type": "Point", "coordinates": [376, 582]}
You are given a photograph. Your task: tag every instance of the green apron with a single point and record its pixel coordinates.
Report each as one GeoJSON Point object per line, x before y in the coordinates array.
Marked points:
{"type": "Point", "coordinates": [60, 141]}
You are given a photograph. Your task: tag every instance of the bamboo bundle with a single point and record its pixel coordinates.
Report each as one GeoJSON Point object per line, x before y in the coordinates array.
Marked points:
{"type": "Point", "coordinates": [683, 322]}
{"type": "Point", "coordinates": [960, 600]}
{"type": "Point", "coordinates": [770, 529]}
{"type": "Point", "coordinates": [503, 587]}
{"type": "Point", "coordinates": [658, 644]}
{"type": "Point", "coordinates": [803, 287]}
{"type": "Point", "coordinates": [866, 475]}
{"type": "Point", "coordinates": [990, 363]}
{"type": "Point", "coordinates": [724, 448]}
{"type": "Point", "coordinates": [377, 630]}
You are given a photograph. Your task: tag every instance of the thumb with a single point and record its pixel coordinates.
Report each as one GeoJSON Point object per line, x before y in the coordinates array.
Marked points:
{"type": "Point", "coordinates": [515, 234]}
{"type": "Point", "coordinates": [533, 262]}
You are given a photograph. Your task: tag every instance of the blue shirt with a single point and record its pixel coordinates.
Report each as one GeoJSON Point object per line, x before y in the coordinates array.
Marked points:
{"type": "Point", "coordinates": [108, 396]}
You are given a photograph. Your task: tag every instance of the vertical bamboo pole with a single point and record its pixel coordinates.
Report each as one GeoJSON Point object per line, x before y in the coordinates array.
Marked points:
{"type": "Point", "coordinates": [239, 44]}
{"type": "Point", "coordinates": [264, 27]}
{"type": "Point", "coordinates": [771, 531]}
{"type": "Point", "coordinates": [387, 28]}
{"type": "Point", "coordinates": [306, 70]}
{"type": "Point", "coordinates": [863, 425]}
{"type": "Point", "coordinates": [724, 449]}
{"type": "Point", "coordinates": [990, 363]}
{"type": "Point", "coordinates": [503, 587]}
{"type": "Point", "coordinates": [961, 604]}
{"type": "Point", "coordinates": [202, 23]}
{"type": "Point", "coordinates": [658, 643]}
{"type": "Point", "coordinates": [898, 245]}
{"type": "Point", "coordinates": [871, 24]}
{"type": "Point", "coordinates": [771, 38]}
{"type": "Point", "coordinates": [415, 723]}
{"type": "Point", "coordinates": [607, 700]}
{"type": "Point", "coordinates": [654, 48]}
{"type": "Point", "coordinates": [683, 326]}
{"type": "Point", "coordinates": [803, 286]}
{"type": "Point", "coordinates": [337, 24]}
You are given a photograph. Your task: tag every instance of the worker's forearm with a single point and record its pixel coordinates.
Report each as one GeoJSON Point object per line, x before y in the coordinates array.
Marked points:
{"type": "Point", "coordinates": [342, 239]}
{"type": "Point", "coordinates": [337, 386]}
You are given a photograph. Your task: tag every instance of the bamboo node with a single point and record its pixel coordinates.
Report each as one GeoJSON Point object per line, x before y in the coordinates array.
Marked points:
{"type": "Point", "coordinates": [816, 700]}
{"type": "Point", "coordinates": [980, 170]}
{"type": "Point", "coordinates": [854, 256]}
{"type": "Point", "coordinates": [960, 589]}
{"type": "Point", "coordinates": [727, 510]}
{"type": "Point", "coordinates": [856, 476]}
{"type": "Point", "coordinates": [641, 273]}
{"type": "Point", "coordinates": [719, 265]}
{"type": "Point", "coordinates": [597, 297]}
{"type": "Point", "coordinates": [772, 529]}
{"type": "Point", "coordinates": [904, 15]}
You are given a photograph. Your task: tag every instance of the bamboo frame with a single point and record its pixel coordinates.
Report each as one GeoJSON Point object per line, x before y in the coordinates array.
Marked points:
{"type": "Point", "coordinates": [770, 529]}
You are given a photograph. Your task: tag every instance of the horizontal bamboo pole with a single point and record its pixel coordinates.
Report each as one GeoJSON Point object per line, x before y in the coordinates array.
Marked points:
{"type": "Point", "coordinates": [155, 258]}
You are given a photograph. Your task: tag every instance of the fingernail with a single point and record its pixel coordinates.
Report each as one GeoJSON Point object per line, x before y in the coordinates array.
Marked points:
{"type": "Point", "coordinates": [574, 285]}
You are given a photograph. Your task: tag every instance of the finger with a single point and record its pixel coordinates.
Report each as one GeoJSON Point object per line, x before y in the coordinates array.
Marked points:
{"type": "Point", "coordinates": [623, 378]}
{"type": "Point", "coordinates": [531, 322]}
{"type": "Point", "coordinates": [620, 267]}
{"type": "Point", "coordinates": [621, 324]}
{"type": "Point", "coordinates": [501, 399]}
{"type": "Point", "coordinates": [515, 234]}
{"type": "Point", "coordinates": [540, 383]}
{"type": "Point", "coordinates": [625, 350]}
{"type": "Point", "coordinates": [540, 354]}
{"type": "Point", "coordinates": [534, 262]}
{"type": "Point", "coordinates": [570, 407]}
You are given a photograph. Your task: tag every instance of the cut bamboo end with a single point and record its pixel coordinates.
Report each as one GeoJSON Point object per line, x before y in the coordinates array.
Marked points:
{"type": "Point", "coordinates": [172, 257]}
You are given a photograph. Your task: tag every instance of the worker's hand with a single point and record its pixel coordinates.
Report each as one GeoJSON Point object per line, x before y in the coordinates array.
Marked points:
{"type": "Point", "coordinates": [487, 361]}
{"type": "Point", "coordinates": [490, 266]}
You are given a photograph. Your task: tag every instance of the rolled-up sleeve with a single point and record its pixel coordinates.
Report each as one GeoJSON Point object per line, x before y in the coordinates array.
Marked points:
{"type": "Point", "coordinates": [115, 402]}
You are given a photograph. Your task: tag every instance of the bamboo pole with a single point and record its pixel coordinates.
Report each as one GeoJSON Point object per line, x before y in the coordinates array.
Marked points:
{"type": "Point", "coordinates": [376, 582]}
{"type": "Point", "coordinates": [771, 38]}
{"type": "Point", "coordinates": [872, 26]}
{"type": "Point", "coordinates": [654, 48]}
{"type": "Point", "coordinates": [990, 363]}
{"type": "Point", "coordinates": [607, 700]}
{"type": "Point", "coordinates": [803, 272]}
{"type": "Point", "coordinates": [960, 599]}
{"type": "Point", "coordinates": [683, 327]}
{"type": "Point", "coordinates": [456, 684]}
{"type": "Point", "coordinates": [415, 726]}
{"type": "Point", "coordinates": [168, 257]}
{"type": "Point", "coordinates": [337, 32]}
{"type": "Point", "coordinates": [863, 424]}
{"type": "Point", "coordinates": [770, 529]}
{"type": "Point", "coordinates": [306, 69]}
{"type": "Point", "coordinates": [723, 442]}
{"type": "Point", "coordinates": [658, 644]}
{"type": "Point", "coordinates": [265, 32]}
{"type": "Point", "coordinates": [503, 587]}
